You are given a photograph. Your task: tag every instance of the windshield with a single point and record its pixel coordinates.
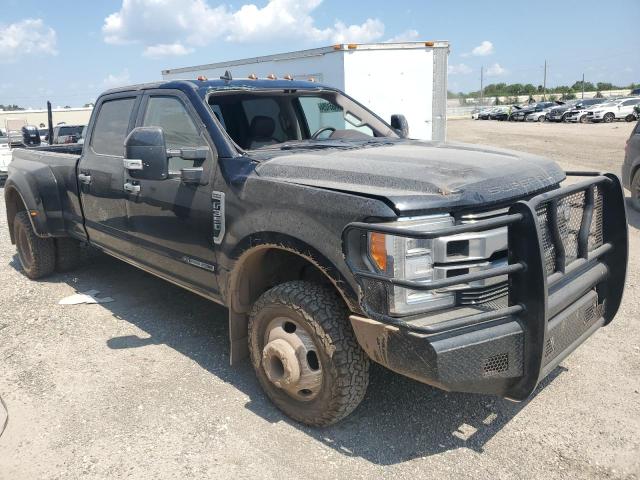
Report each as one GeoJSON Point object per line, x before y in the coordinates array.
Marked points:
{"type": "Point", "coordinates": [263, 119]}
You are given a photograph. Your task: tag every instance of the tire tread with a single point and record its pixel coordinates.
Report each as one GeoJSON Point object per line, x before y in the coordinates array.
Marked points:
{"type": "Point", "coordinates": [328, 317]}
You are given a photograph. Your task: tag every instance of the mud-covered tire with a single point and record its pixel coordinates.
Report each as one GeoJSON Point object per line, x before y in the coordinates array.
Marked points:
{"type": "Point", "coordinates": [37, 255]}
{"type": "Point", "coordinates": [345, 366]}
{"type": "Point", "coordinates": [68, 254]}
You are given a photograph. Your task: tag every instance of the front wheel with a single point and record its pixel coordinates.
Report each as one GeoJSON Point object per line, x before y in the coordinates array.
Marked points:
{"type": "Point", "coordinates": [583, 119]}
{"type": "Point", "coordinates": [608, 117]}
{"type": "Point", "coordinates": [542, 118]}
{"type": "Point", "coordinates": [305, 353]}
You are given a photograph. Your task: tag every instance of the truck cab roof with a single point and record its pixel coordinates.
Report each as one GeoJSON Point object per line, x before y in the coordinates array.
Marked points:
{"type": "Point", "coordinates": [204, 86]}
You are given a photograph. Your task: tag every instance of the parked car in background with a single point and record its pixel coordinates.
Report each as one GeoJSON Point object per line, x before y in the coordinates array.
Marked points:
{"type": "Point", "coordinates": [578, 113]}
{"type": "Point", "coordinates": [635, 92]}
{"type": "Point", "coordinates": [65, 134]}
{"type": "Point", "coordinates": [538, 115]}
{"type": "Point", "coordinates": [484, 115]}
{"type": "Point", "coordinates": [5, 157]}
{"type": "Point", "coordinates": [506, 112]}
{"type": "Point", "coordinates": [558, 113]}
{"type": "Point", "coordinates": [475, 114]}
{"type": "Point", "coordinates": [631, 166]}
{"type": "Point", "coordinates": [621, 109]}
{"type": "Point", "coordinates": [521, 115]}
{"type": "Point", "coordinates": [498, 112]}
{"type": "Point", "coordinates": [83, 134]}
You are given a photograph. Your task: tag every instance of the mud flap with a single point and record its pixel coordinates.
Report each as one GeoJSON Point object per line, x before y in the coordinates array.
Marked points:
{"type": "Point", "coordinates": [239, 341]}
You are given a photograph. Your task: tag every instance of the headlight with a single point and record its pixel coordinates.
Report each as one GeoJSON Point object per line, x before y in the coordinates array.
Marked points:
{"type": "Point", "coordinates": [410, 259]}
{"type": "Point", "coordinates": [597, 111]}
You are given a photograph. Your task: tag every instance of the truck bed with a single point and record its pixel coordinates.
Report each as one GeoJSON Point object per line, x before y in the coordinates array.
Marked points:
{"type": "Point", "coordinates": [52, 171]}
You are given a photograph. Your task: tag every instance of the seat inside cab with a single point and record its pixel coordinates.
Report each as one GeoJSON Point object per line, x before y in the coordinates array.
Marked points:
{"type": "Point", "coordinates": [262, 119]}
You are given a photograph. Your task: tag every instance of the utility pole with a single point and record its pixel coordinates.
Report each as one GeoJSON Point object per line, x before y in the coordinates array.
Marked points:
{"type": "Point", "coordinates": [481, 85]}
{"type": "Point", "coordinates": [544, 82]}
{"type": "Point", "coordinates": [583, 86]}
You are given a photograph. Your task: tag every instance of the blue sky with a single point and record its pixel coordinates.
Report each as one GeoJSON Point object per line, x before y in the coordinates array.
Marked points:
{"type": "Point", "coordinates": [69, 51]}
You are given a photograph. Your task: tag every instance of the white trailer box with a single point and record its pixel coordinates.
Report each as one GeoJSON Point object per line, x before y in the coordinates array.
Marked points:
{"type": "Point", "coordinates": [408, 78]}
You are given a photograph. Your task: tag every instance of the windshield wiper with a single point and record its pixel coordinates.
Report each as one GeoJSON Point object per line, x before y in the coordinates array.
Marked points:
{"type": "Point", "coordinates": [317, 144]}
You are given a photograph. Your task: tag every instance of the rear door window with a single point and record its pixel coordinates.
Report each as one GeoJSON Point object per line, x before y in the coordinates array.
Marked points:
{"type": "Point", "coordinates": [111, 127]}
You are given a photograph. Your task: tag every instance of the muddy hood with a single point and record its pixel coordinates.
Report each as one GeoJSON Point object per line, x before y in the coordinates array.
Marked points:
{"type": "Point", "coordinates": [418, 176]}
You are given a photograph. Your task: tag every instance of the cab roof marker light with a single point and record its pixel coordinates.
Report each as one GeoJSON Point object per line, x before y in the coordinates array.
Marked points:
{"type": "Point", "coordinates": [429, 44]}
{"type": "Point", "coordinates": [252, 76]}
{"type": "Point", "coordinates": [337, 46]}
{"type": "Point", "coordinates": [272, 76]}
{"type": "Point", "coordinates": [352, 46]}
{"type": "Point", "coordinates": [288, 76]}
{"type": "Point", "coordinates": [201, 78]}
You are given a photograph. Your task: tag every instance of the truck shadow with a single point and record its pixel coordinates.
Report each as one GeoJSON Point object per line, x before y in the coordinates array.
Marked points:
{"type": "Point", "coordinates": [399, 419]}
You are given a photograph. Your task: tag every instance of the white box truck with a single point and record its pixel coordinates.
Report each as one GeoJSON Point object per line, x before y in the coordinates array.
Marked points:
{"type": "Point", "coordinates": [408, 78]}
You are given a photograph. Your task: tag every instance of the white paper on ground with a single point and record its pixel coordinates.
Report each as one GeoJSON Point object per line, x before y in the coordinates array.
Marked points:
{"type": "Point", "coordinates": [84, 297]}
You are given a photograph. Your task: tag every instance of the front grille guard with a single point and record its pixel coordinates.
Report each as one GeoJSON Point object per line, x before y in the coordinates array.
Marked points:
{"type": "Point", "coordinates": [529, 282]}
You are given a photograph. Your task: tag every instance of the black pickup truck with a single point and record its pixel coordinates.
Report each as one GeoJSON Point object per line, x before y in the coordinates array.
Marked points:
{"type": "Point", "coordinates": [331, 237]}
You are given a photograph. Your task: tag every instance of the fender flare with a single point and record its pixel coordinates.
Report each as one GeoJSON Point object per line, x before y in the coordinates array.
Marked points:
{"type": "Point", "coordinates": [244, 252]}
{"type": "Point", "coordinates": [30, 203]}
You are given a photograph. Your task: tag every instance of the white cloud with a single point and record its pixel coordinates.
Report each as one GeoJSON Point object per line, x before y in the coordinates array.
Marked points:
{"type": "Point", "coordinates": [482, 50]}
{"type": "Point", "coordinates": [495, 70]}
{"type": "Point", "coordinates": [459, 69]}
{"type": "Point", "coordinates": [26, 37]}
{"type": "Point", "coordinates": [406, 36]}
{"type": "Point", "coordinates": [174, 27]}
{"type": "Point", "coordinates": [166, 50]}
{"type": "Point", "coordinates": [114, 80]}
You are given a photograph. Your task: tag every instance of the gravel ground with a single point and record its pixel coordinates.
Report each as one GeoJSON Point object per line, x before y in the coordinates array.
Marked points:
{"type": "Point", "coordinates": [141, 387]}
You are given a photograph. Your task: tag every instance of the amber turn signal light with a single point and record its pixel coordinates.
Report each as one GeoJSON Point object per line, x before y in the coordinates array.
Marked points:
{"type": "Point", "coordinates": [378, 250]}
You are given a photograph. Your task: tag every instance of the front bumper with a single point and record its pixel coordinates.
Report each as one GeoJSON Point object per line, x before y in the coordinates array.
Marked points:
{"type": "Point", "coordinates": [507, 351]}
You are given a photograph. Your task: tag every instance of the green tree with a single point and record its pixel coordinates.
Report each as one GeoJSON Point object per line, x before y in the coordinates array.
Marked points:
{"type": "Point", "coordinates": [588, 86]}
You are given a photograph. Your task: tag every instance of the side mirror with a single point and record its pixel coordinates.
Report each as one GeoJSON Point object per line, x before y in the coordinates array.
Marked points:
{"type": "Point", "coordinates": [145, 154]}
{"type": "Point", "coordinates": [400, 125]}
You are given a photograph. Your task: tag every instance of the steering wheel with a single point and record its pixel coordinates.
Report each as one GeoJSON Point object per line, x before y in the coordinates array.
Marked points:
{"type": "Point", "coordinates": [320, 130]}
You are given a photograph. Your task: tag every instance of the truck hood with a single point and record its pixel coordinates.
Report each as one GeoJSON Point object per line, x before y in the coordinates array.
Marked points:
{"type": "Point", "coordinates": [417, 176]}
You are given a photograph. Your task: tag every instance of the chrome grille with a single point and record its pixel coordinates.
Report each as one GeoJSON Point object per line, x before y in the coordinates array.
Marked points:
{"type": "Point", "coordinates": [483, 295]}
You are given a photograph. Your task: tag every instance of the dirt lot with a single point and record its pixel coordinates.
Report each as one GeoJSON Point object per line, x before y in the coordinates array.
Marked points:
{"type": "Point", "coordinates": [141, 387]}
